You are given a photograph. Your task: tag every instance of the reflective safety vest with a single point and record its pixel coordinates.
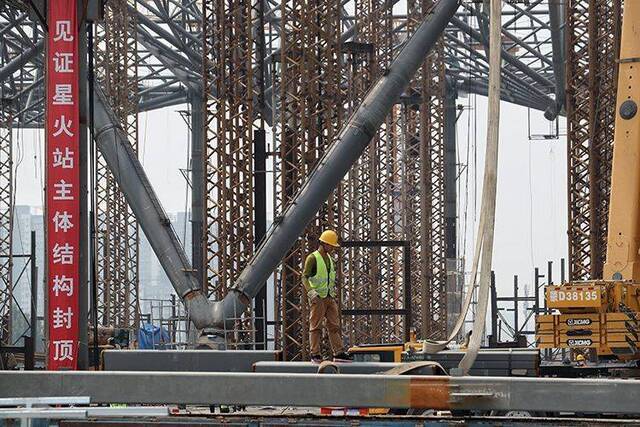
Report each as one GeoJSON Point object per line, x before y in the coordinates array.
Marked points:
{"type": "Point", "coordinates": [324, 281]}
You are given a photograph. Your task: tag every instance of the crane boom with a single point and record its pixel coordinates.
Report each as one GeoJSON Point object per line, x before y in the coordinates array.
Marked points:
{"type": "Point", "coordinates": [623, 240]}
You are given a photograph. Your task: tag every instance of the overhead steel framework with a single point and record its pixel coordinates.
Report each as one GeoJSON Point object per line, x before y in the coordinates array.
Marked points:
{"type": "Point", "coordinates": [116, 65]}
{"type": "Point", "coordinates": [593, 39]}
{"type": "Point", "coordinates": [170, 46]}
{"type": "Point", "coordinates": [299, 67]}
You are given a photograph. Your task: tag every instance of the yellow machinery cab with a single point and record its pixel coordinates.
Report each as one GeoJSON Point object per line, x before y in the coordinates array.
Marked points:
{"type": "Point", "coordinates": [600, 315]}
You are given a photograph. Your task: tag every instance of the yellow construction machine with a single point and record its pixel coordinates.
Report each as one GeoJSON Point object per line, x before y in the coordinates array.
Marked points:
{"type": "Point", "coordinates": [602, 317]}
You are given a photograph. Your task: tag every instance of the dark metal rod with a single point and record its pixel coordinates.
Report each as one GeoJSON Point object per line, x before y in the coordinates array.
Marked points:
{"type": "Point", "coordinates": [260, 227]}
{"type": "Point", "coordinates": [557, 22]}
{"type": "Point", "coordinates": [515, 307]}
{"type": "Point", "coordinates": [30, 343]}
{"type": "Point", "coordinates": [494, 309]}
{"type": "Point", "coordinates": [83, 291]}
{"type": "Point", "coordinates": [92, 200]}
{"type": "Point", "coordinates": [407, 292]}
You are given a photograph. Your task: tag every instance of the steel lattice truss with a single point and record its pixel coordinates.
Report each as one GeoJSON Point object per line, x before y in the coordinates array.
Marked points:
{"type": "Point", "coordinates": [368, 196]}
{"type": "Point", "coordinates": [423, 186]}
{"type": "Point", "coordinates": [229, 116]}
{"type": "Point", "coordinates": [307, 89]}
{"type": "Point", "coordinates": [593, 31]}
{"type": "Point", "coordinates": [300, 67]}
{"type": "Point", "coordinates": [6, 228]}
{"type": "Point", "coordinates": [116, 229]}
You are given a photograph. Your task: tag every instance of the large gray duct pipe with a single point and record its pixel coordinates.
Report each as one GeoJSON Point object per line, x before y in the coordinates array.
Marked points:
{"type": "Point", "coordinates": [336, 162]}
{"type": "Point", "coordinates": [20, 60]}
{"type": "Point", "coordinates": [128, 172]}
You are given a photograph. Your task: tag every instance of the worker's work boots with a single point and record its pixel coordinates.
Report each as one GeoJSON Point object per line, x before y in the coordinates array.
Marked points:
{"type": "Point", "coordinates": [316, 358]}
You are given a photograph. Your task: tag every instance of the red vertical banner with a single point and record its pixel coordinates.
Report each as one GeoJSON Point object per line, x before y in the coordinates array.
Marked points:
{"type": "Point", "coordinates": [63, 184]}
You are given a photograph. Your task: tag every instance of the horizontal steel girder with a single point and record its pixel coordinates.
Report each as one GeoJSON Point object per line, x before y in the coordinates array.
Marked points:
{"type": "Point", "coordinates": [186, 360]}
{"type": "Point", "coordinates": [436, 392]}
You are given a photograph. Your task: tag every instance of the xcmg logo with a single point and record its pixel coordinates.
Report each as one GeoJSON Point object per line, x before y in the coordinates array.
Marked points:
{"type": "Point", "coordinates": [579, 342]}
{"type": "Point", "coordinates": [578, 322]}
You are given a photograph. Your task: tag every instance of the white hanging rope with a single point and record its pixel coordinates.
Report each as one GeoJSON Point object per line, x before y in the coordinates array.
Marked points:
{"type": "Point", "coordinates": [484, 244]}
{"type": "Point", "coordinates": [490, 183]}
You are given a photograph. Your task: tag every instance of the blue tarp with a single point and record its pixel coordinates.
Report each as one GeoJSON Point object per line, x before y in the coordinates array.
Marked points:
{"type": "Point", "coordinates": [151, 337]}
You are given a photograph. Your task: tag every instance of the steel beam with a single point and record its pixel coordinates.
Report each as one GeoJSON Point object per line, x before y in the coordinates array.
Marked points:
{"type": "Point", "coordinates": [372, 391]}
{"type": "Point", "coordinates": [161, 101]}
{"type": "Point", "coordinates": [506, 56]}
{"type": "Point", "coordinates": [129, 174]}
{"type": "Point", "coordinates": [19, 61]}
{"type": "Point", "coordinates": [187, 360]}
{"type": "Point", "coordinates": [359, 368]}
{"type": "Point", "coordinates": [557, 22]}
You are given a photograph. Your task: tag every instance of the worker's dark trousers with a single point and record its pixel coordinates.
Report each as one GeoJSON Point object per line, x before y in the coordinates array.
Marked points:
{"type": "Point", "coordinates": [321, 309]}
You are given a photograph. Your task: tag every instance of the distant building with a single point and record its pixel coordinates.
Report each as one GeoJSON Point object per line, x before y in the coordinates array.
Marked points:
{"type": "Point", "coordinates": [26, 219]}
{"type": "Point", "coordinates": [154, 283]}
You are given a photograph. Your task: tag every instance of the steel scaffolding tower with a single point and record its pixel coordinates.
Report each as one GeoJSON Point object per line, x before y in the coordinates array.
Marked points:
{"type": "Point", "coordinates": [6, 227]}
{"type": "Point", "coordinates": [116, 56]}
{"type": "Point", "coordinates": [230, 122]}
{"type": "Point", "coordinates": [13, 45]}
{"type": "Point", "coordinates": [307, 77]}
{"type": "Point", "coordinates": [423, 189]}
{"type": "Point", "coordinates": [389, 286]}
{"type": "Point", "coordinates": [593, 38]}
{"type": "Point", "coordinates": [361, 267]}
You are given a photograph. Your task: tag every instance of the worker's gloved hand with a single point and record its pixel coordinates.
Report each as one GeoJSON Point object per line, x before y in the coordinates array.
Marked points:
{"type": "Point", "coordinates": [312, 295]}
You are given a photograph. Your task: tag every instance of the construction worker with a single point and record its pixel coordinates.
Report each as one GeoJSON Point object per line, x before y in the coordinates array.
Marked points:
{"type": "Point", "coordinates": [319, 279]}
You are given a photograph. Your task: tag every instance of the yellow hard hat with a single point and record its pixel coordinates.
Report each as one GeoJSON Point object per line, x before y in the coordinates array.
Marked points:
{"type": "Point", "coordinates": [330, 237]}
{"type": "Point", "coordinates": [580, 358]}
